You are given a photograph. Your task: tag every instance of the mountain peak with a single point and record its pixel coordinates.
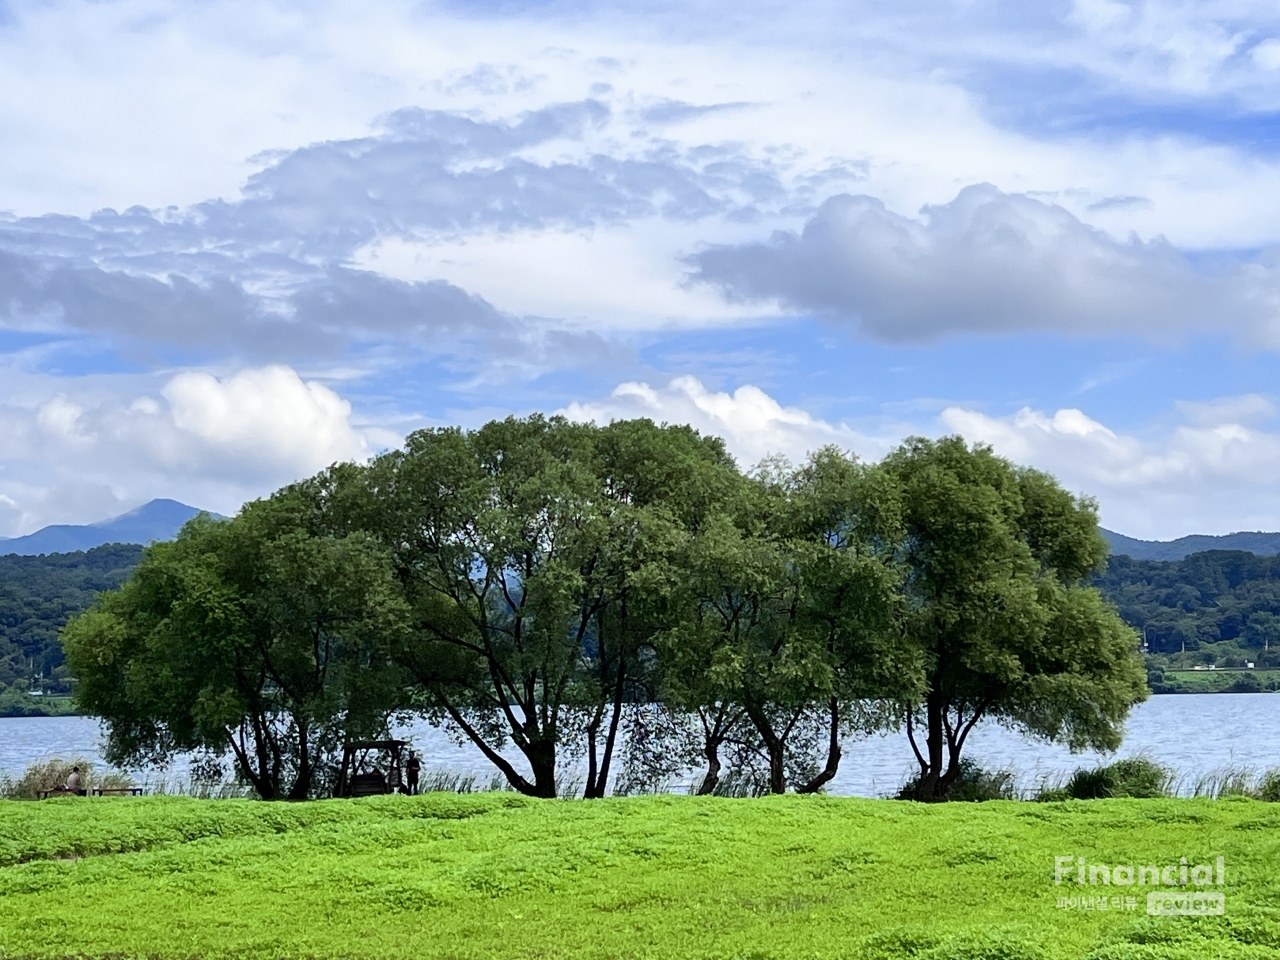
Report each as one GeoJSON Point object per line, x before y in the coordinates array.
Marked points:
{"type": "Point", "coordinates": [159, 519]}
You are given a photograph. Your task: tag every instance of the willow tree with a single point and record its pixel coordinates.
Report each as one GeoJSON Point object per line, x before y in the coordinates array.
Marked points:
{"type": "Point", "coordinates": [789, 622]}
{"type": "Point", "coordinates": [537, 555]}
{"type": "Point", "coordinates": [996, 564]}
{"type": "Point", "coordinates": [262, 636]}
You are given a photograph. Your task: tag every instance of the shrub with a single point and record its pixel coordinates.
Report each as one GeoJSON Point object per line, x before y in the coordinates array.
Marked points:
{"type": "Point", "coordinates": [1132, 777]}
{"type": "Point", "coordinates": [973, 785]}
{"type": "Point", "coordinates": [1245, 684]}
{"type": "Point", "coordinates": [1269, 788]}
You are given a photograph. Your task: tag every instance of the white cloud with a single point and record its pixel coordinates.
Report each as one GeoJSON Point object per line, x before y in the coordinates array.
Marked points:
{"type": "Point", "coordinates": [170, 99]}
{"type": "Point", "coordinates": [266, 414]}
{"type": "Point", "coordinates": [1213, 473]}
{"type": "Point", "coordinates": [623, 277]}
{"type": "Point", "coordinates": [61, 418]}
{"type": "Point", "coordinates": [212, 442]}
{"type": "Point", "coordinates": [1267, 54]}
{"type": "Point", "coordinates": [752, 423]}
{"type": "Point", "coordinates": [579, 212]}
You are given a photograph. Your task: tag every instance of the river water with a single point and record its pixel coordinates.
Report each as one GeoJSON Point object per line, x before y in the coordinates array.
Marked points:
{"type": "Point", "coordinates": [1195, 734]}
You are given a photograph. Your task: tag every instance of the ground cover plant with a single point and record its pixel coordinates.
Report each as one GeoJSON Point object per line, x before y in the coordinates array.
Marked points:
{"type": "Point", "coordinates": [501, 875]}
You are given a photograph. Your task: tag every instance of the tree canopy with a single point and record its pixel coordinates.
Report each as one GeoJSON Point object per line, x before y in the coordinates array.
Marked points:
{"type": "Point", "coordinates": [617, 596]}
{"type": "Point", "coordinates": [996, 561]}
{"type": "Point", "coordinates": [262, 636]}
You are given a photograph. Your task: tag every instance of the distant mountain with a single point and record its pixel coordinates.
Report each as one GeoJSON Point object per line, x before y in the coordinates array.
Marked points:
{"type": "Point", "coordinates": [157, 520]}
{"type": "Point", "coordinates": [1263, 544]}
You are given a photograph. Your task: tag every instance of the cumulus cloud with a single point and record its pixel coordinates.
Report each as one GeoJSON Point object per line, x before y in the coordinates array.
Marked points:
{"type": "Point", "coordinates": [991, 262]}
{"type": "Point", "coordinates": [212, 441]}
{"type": "Point", "coordinates": [269, 414]}
{"type": "Point", "coordinates": [752, 423]}
{"type": "Point", "coordinates": [1214, 472]}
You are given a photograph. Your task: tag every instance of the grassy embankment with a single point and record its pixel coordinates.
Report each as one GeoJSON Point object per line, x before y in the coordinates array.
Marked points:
{"type": "Point", "coordinates": [16, 703]}
{"type": "Point", "coordinates": [1222, 680]}
{"type": "Point", "coordinates": [495, 875]}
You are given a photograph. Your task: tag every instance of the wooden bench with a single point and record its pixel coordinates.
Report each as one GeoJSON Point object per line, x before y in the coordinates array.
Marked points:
{"type": "Point", "coordinates": [60, 792]}
{"type": "Point", "coordinates": [368, 784]}
{"type": "Point", "coordinates": [117, 791]}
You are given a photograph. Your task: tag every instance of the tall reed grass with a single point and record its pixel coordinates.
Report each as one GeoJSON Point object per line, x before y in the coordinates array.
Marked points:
{"type": "Point", "coordinates": [1136, 777]}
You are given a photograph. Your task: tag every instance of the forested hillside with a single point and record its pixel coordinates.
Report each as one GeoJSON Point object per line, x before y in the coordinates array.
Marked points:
{"type": "Point", "coordinates": [1214, 604]}
{"type": "Point", "coordinates": [37, 597]}
{"type": "Point", "coordinates": [1219, 608]}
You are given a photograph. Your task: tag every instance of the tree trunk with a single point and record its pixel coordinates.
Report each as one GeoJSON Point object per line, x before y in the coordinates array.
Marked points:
{"type": "Point", "coordinates": [930, 788]}
{"type": "Point", "coordinates": [517, 782]}
{"type": "Point", "coordinates": [593, 765]}
{"type": "Point", "coordinates": [833, 754]}
{"type": "Point", "coordinates": [257, 780]}
{"type": "Point", "coordinates": [774, 746]}
{"type": "Point", "coordinates": [541, 755]}
{"type": "Point", "coordinates": [711, 750]}
{"type": "Point", "coordinates": [598, 778]}
{"type": "Point", "coordinates": [302, 782]}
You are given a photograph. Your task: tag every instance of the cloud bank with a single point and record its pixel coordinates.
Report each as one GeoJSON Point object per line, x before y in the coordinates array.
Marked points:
{"type": "Point", "coordinates": [991, 262]}
{"type": "Point", "coordinates": [752, 423]}
{"type": "Point", "coordinates": [1212, 472]}
{"type": "Point", "coordinates": [219, 441]}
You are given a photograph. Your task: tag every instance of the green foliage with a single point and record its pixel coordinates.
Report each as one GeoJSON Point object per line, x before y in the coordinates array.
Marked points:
{"type": "Point", "coordinates": [563, 586]}
{"type": "Point", "coordinates": [15, 702]}
{"type": "Point", "coordinates": [789, 601]}
{"type": "Point", "coordinates": [1220, 607]}
{"type": "Point", "coordinates": [973, 784]}
{"type": "Point", "coordinates": [1213, 681]}
{"type": "Point", "coordinates": [1135, 777]}
{"type": "Point", "coordinates": [538, 557]}
{"type": "Point", "coordinates": [263, 635]}
{"type": "Point", "coordinates": [995, 560]}
{"type": "Point", "coordinates": [38, 595]}
{"type": "Point", "coordinates": [498, 875]}
{"type": "Point", "coordinates": [1269, 788]}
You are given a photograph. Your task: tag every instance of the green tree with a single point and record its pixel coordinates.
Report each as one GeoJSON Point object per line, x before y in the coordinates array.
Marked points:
{"type": "Point", "coordinates": [1263, 629]}
{"type": "Point", "coordinates": [995, 561]}
{"type": "Point", "coordinates": [790, 623]}
{"type": "Point", "coordinates": [262, 635]}
{"type": "Point", "coordinates": [537, 556]}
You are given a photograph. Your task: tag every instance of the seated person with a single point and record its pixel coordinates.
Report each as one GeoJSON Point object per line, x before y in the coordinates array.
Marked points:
{"type": "Point", "coordinates": [74, 782]}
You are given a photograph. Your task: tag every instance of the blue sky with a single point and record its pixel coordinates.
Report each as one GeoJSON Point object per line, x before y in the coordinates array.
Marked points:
{"type": "Point", "coordinates": [241, 241]}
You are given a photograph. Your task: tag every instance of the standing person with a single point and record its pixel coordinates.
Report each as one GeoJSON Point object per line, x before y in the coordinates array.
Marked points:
{"type": "Point", "coordinates": [396, 785]}
{"type": "Point", "coordinates": [73, 781]}
{"type": "Point", "coordinates": [412, 769]}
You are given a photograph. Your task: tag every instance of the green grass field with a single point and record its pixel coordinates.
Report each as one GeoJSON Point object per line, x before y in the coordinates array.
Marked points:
{"type": "Point", "coordinates": [496, 875]}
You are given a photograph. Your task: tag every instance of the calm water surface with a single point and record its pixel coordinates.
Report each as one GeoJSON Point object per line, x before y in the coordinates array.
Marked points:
{"type": "Point", "coordinates": [1195, 734]}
